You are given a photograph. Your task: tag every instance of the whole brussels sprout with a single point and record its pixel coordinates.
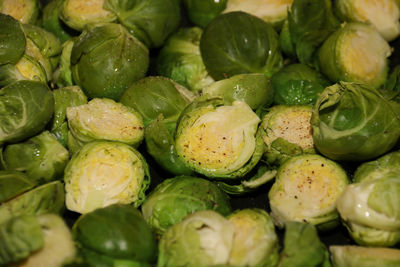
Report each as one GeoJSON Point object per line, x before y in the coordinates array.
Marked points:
{"type": "Point", "coordinates": [353, 256]}
{"type": "Point", "coordinates": [25, 11]}
{"type": "Point", "coordinates": [369, 206]}
{"type": "Point", "coordinates": [12, 40]}
{"type": "Point", "coordinates": [78, 14]}
{"type": "Point", "coordinates": [26, 108]}
{"type": "Point", "coordinates": [306, 189]}
{"type": "Point", "coordinates": [355, 43]}
{"type": "Point", "coordinates": [237, 43]}
{"type": "Point", "coordinates": [102, 173]}
{"type": "Point", "coordinates": [13, 183]}
{"type": "Point", "coordinates": [353, 122]}
{"type": "Point", "coordinates": [201, 12]}
{"type": "Point", "coordinates": [297, 84]}
{"type": "Point", "coordinates": [41, 157]}
{"type": "Point", "coordinates": [177, 197]}
{"type": "Point", "coordinates": [115, 235]}
{"type": "Point", "coordinates": [106, 60]}
{"type": "Point", "coordinates": [150, 21]}
{"type": "Point", "coordinates": [180, 60]}
{"type": "Point", "coordinates": [219, 140]}
{"type": "Point", "coordinates": [384, 15]}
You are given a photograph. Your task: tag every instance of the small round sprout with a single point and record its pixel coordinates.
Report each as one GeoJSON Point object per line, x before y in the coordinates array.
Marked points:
{"type": "Point", "coordinates": [77, 14]}
{"type": "Point", "coordinates": [219, 140]}
{"type": "Point", "coordinates": [288, 132]}
{"type": "Point", "coordinates": [25, 11]}
{"type": "Point", "coordinates": [306, 190]}
{"type": "Point", "coordinates": [354, 256]}
{"type": "Point", "coordinates": [105, 119]}
{"type": "Point", "coordinates": [104, 173]}
{"type": "Point", "coordinates": [384, 15]}
{"type": "Point", "coordinates": [360, 55]}
{"type": "Point", "coordinates": [12, 41]}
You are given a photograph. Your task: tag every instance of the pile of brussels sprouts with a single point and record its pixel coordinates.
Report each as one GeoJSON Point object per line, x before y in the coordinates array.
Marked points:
{"type": "Point", "coordinates": [199, 133]}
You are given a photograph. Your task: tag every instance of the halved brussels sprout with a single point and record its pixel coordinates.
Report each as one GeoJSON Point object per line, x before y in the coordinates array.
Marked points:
{"type": "Point", "coordinates": [12, 40]}
{"type": "Point", "coordinates": [13, 183]}
{"type": "Point", "coordinates": [255, 242]}
{"type": "Point", "coordinates": [204, 238]}
{"type": "Point", "coordinates": [201, 12]}
{"type": "Point", "coordinates": [47, 198]}
{"type": "Point", "coordinates": [58, 246]}
{"type": "Point", "coordinates": [104, 173]}
{"type": "Point", "coordinates": [105, 119]}
{"type": "Point", "coordinates": [180, 60]}
{"type": "Point", "coordinates": [219, 140]}
{"type": "Point", "coordinates": [25, 11]}
{"type": "Point", "coordinates": [361, 55]}
{"type": "Point", "coordinates": [369, 207]}
{"type": "Point", "coordinates": [306, 189]}
{"type": "Point", "coordinates": [236, 43]}
{"type": "Point", "coordinates": [152, 96]}
{"type": "Point", "coordinates": [302, 247]}
{"type": "Point", "coordinates": [106, 60]}
{"type": "Point", "coordinates": [175, 198]}
{"type": "Point", "coordinates": [63, 98]}
{"type": "Point", "coordinates": [41, 157]}
{"type": "Point", "coordinates": [26, 108]}
{"type": "Point", "coordinates": [297, 84]}
{"type": "Point", "coordinates": [255, 89]}
{"type": "Point", "coordinates": [354, 122]}
{"type": "Point", "coordinates": [288, 132]}
{"type": "Point", "coordinates": [354, 256]}
{"type": "Point", "coordinates": [272, 11]}
{"type": "Point", "coordinates": [27, 68]}
{"type": "Point", "coordinates": [384, 15]}
{"type": "Point", "coordinates": [151, 21]}
{"type": "Point", "coordinates": [116, 235]}
{"type": "Point", "coordinates": [78, 14]}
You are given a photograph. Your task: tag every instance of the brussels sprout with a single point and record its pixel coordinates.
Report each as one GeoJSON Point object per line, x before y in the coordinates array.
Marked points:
{"type": "Point", "coordinates": [13, 183]}
{"type": "Point", "coordinates": [255, 242]}
{"type": "Point", "coordinates": [175, 198]}
{"type": "Point", "coordinates": [105, 119]}
{"type": "Point", "coordinates": [302, 247]}
{"type": "Point", "coordinates": [297, 84]}
{"type": "Point", "coordinates": [116, 235]}
{"type": "Point", "coordinates": [25, 11]}
{"type": "Point", "coordinates": [288, 132]}
{"type": "Point", "coordinates": [26, 108]}
{"type": "Point", "coordinates": [369, 207]}
{"type": "Point", "coordinates": [353, 256]}
{"type": "Point", "coordinates": [51, 21]}
{"type": "Point", "coordinates": [353, 122]}
{"type": "Point", "coordinates": [27, 68]}
{"type": "Point", "coordinates": [41, 157]}
{"type": "Point", "coordinates": [20, 236]}
{"type": "Point", "coordinates": [285, 41]}
{"type": "Point", "coordinates": [204, 238]}
{"type": "Point", "coordinates": [309, 23]}
{"type": "Point", "coordinates": [151, 21]}
{"type": "Point", "coordinates": [236, 43]}
{"type": "Point", "coordinates": [160, 144]}
{"type": "Point", "coordinates": [360, 55]}
{"type": "Point", "coordinates": [255, 89]}
{"type": "Point", "coordinates": [273, 11]}
{"type": "Point", "coordinates": [306, 189]}
{"type": "Point", "coordinates": [62, 76]}
{"type": "Point", "coordinates": [219, 140]}
{"type": "Point", "coordinates": [106, 60]}
{"type": "Point", "coordinates": [384, 15]}
{"type": "Point", "coordinates": [104, 173]}
{"type": "Point", "coordinates": [47, 198]}
{"type": "Point", "coordinates": [180, 60]}
{"type": "Point", "coordinates": [152, 96]}
{"type": "Point", "coordinates": [12, 40]}
{"type": "Point", "coordinates": [63, 98]}
{"type": "Point", "coordinates": [201, 12]}
{"type": "Point", "coordinates": [77, 14]}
